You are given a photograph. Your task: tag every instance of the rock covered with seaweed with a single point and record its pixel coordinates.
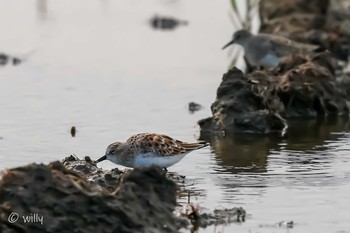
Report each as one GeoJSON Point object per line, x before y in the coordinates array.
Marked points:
{"type": "Point", "coordinates": [77, 196]}
{"type": "Point", "coordinates": [246, 103]}
{"type": "Point", "coordinates": [304, 85]}
{"type": "Point", "coordinates": [142, 202]}
{"type": "Point", "coordinates": [260, 102]}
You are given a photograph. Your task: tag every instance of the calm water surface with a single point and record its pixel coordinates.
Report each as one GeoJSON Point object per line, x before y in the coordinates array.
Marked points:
{"type": "Point", "coordinates": [97, 65]}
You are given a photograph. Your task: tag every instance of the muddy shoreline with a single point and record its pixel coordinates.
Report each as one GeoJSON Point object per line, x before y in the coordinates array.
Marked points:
{"type": "Point", "coordinates": [77, 195]}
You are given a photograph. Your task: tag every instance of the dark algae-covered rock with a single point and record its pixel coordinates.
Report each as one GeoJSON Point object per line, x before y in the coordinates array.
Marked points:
{"type": "Point", "coordinates": [307, 86]}
{"type": "Point", "coordinates": [76, 196]}
{"type": "Point", "coordinates": [108, 179]}
{"type": "Point", "coordinates": [259, 102]}
{"type": "Point", "coordinates": [217, 217]}
{"type": "Point", "coordinates": [65, 201]}
{"type": "Point", "coordinates": [246, 103]}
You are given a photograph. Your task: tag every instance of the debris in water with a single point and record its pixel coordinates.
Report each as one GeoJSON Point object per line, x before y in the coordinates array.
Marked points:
{"type": "Point", "coordinates": [166, 23]}
{"type": "Point", "coordinates": [217, 217]}
{"type": "Point", "coordinates": [194, 107]}
{"type": "Point", "coordinates": [73, 131]}
{"type": "Point", "coordinates": [281, 224]}
{"type": "Point", "coordinates": [5, 59]}
{"type": "Point", "coordinates": [286, 224]}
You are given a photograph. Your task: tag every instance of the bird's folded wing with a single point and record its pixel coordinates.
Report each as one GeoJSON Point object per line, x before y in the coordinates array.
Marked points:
{"type": "Point", "coordinates": [164, 145]}
{"type": "Point", "coordinates": [282, 46]}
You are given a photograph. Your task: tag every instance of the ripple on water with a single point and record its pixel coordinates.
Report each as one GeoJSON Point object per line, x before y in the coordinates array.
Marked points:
{"type": "Point", "coordinates": [250, 165]}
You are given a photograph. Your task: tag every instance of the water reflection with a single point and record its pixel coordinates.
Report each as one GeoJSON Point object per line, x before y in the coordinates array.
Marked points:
{"type": "Point", "coordinates": [311, 134]}
{"type": "Point", "coordinates": [41, 10]}
{"type": "Point", "coordinates": [250, 153]}
{"type": "Point", "coordinates": [249, 164]}
{"type": "Point", "coordinates": [243, 153]}
{"type": "Point", "coordinates": [188, 191]}
{"type": "Point", "coordinates": [308, 155]}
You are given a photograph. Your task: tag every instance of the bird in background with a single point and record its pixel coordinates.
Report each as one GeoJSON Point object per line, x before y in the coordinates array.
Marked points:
{"type": "Point", "coordinates": [267, 50]}
{"type": "Point", "coordinates": [147, 149]}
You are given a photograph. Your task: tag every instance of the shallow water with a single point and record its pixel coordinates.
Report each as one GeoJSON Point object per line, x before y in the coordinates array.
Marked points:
{"type": "Point", "coordinates": [98, 65]}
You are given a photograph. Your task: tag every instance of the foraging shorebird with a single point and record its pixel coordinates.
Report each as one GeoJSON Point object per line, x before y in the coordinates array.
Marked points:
{"type": "Point", "coordinates": [265, 49]}
{"type": "Point", "coordinates": [146, 149]}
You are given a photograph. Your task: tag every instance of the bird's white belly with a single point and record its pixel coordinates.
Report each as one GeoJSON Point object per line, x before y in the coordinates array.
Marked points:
{"type": "Point", "coordinates": [270, 60]}
{"type": "Point", "coordinates": [162, 161]}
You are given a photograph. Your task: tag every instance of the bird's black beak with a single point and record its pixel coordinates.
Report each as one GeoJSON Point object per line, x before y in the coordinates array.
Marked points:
{"type": "Point", "coordinates": [228, 44]}
{"type": "Point", "coordinates": [101, 159]}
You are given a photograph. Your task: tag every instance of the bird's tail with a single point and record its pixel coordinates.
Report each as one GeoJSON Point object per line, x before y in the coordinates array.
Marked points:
{"type": "Point", "coordinates": [195, 146]}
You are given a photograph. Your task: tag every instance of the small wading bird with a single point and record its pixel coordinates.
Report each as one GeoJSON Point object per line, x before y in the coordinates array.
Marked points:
{"type": "Point", "coordinates": [265, 49]}
{"type": "Point", "coordinates": [146, 149]}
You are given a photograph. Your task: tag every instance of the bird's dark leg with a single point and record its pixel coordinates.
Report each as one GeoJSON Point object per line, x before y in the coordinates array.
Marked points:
{"type": "Point", "coordinates": [249, 67]}
{"type": "Point", "coordinates": [261, 68]}
{"type": "Point", "coordinates": [291, 99]}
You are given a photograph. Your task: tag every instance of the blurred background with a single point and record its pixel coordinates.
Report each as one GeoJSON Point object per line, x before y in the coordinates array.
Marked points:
{"type": "Point", "coordinates": [100, 66]}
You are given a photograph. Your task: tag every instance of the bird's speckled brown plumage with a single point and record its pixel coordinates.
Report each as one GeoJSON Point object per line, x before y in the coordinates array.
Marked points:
{"type": "Point", "coordinates": [155, 148]}
{"type": "Point", "coordinates": [160, 144]}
